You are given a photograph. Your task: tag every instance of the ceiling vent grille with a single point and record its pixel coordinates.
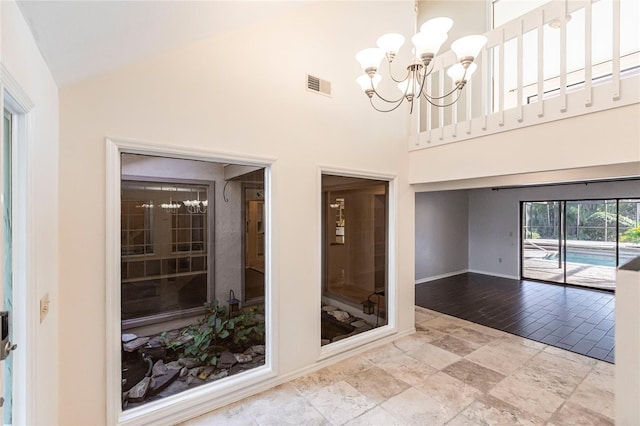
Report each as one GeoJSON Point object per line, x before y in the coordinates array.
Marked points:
{"type": "Point", "coordinates": [318, 85]}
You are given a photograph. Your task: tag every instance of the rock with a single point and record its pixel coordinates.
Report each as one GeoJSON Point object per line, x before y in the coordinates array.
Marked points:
{"type": "Point", "coordinates": [239, 368]}
{"type": "Point", "coordinates": [329, 308]}
{"type": "Point", "coordinates": [342, 336]}
{"type": "Point", "coordinates": [359, 323]}
{"type": "Point", "coordinates": [205, 372]}
{"type": "Point", "coordinates": [127, 337]}
{"type": "Point", "coordinates": [255, 350]}
{"type": "Point", "coordinates": [340, 315]}
{"type": "Point", "coordinates": [133, 345]}
{"type": "Point", "coordinates": [242, 358]}
{"type": "Point", "coordinates": [189, 362]}
{"type": "Point", "coordinates": [155, 342]}
{"type": "Point", "coordinates": [219, 375]}
{"type": "Point", "coordinates": [194, 372]}
{"type": "Point", "coordinates": [258, 349]}
{"type": "Point", "coordinates": [174, 365]}
{"type": "Point", "coordinates": [139, 391]}
{"type": "Point", "coordinates": [226, 360]}
{"type": "Point", "coordinates": [176, 387]}
{"type": "Point", "coordinates": [171, 335]}
{"type": "Point", "coordinates": [161, 382]}
{"type": "Point", "coordinates": [362, 329]}
{"type": "Point", "coordinates": [181, 340]}
{"type": "Point", "coordinates": [324, 342]}
{"type": "Point", "coordinates": [194, 381]}
{"type": "Point", "coordinates": [159, 369]}
{"type": "Point", "coordinates": [157, 352]}
{"type": "Point", "coordinates": [258, 317]}
{"type": "Point", "coordinates": [184, 371]}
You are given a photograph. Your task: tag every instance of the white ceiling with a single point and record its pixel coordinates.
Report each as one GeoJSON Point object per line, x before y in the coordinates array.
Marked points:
{"type": "Point", "coordinates": [79, 39]}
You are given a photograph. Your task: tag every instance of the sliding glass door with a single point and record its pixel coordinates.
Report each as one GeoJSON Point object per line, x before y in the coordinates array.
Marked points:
{"type": "Point", "coordinates": [628, 230]}
{"type": "Point", "coordinates": [579, 242]}
{"type": "Point", "coordinates": [542, 241]}
{"type": "Point", "coordinates": [591, 243]}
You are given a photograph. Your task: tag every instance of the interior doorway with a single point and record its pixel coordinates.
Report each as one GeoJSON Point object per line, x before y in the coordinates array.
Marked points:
{"type": "Point", "coordinates": [254, 243]}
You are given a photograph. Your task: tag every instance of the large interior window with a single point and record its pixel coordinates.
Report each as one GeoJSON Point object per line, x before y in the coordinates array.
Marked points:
{"type": "Point", "coordinates": [579, 242]}
{"type": "Point", "coordinates": [192, 274]}
{"type": "Point", "coordinates": [355, 255]}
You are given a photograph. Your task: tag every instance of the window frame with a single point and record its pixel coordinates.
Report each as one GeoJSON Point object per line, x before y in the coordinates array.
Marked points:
{"type": "Point", "coordinates": [196, 401]}
{"type": "Point", "coordinates": [344, 345]}
{"type": "Point", "coordinates": [189, 312]}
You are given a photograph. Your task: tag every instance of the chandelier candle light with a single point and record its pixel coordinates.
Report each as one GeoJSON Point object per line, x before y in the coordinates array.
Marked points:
{"type": "Point", "coordinates": [427, 42]}
{"type": "Point", "coordinates": [196, 206]}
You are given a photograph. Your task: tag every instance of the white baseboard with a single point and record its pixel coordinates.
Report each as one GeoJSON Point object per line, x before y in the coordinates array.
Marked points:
{"type": "Point", "coordinates": [437, 277]}
{"type": "Point", "coordinates": [493, 274]}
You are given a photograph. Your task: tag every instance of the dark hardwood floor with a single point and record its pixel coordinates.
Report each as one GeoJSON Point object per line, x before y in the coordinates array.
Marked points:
{"type": "Point", "coordinates": [577, 319]}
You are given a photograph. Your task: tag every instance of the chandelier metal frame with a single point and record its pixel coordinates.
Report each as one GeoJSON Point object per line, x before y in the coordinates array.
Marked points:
{"type": "Point", "coordinates": [427, 42]}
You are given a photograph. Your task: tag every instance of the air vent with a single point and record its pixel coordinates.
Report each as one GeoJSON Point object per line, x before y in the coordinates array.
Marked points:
{"type": "Point", "coordinates": [318, 85]}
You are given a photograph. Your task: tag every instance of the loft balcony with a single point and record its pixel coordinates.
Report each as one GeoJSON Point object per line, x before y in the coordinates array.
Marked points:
{"type": "Point", "coordinates": [561, 60]}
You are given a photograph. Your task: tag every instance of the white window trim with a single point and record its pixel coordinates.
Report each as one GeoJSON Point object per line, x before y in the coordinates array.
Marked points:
{"type": "Point", "coordinates": [205, 398]}
{"type": "Point", "coordinates": [15, 100]}
{"type": "Point", "coordinates": [344, 345]}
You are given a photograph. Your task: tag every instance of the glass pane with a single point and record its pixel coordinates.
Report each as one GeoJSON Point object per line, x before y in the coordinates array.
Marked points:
{"type": "Point", "coordinates": [591, 243]}
{"type": "Point", "coordinates": [629, 230]}
{"type": "Point", "coordinates": [192, 329]}
{"type": "Point", "coordinates": [542, 241]}
{"type": "Point", "coordinates": [150, 213]}
{"type": "Point", "coordinates": [355, 256]}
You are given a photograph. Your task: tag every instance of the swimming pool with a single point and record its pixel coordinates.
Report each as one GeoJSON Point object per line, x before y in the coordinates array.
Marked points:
{"type": "Point", "coordinates": [596, 259]}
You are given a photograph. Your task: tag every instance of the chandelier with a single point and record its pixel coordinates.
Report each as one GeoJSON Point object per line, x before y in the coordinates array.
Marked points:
{"type": "Point", "coordinates": [196, 206]}
{"type": "Point", "coordinates": [426, 44]}
{"type": "Point", "coordinates": [171, 207]}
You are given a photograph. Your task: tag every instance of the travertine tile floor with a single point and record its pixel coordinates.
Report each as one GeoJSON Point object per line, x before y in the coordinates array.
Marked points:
{"type": "Point", "coordinates": [451, 372]}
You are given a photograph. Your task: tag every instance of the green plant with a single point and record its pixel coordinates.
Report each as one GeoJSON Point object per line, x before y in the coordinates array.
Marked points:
{"type": "Point", "coordinates": [246, 329]}
{"type": "Point", "coordinates": [215, 333]}
{"type": "Point", "coordinates": [599, 218]}
{"type": "Point", "coordinates": [532, 235]}
{"type": "Point", "coordinates": [631, 236]}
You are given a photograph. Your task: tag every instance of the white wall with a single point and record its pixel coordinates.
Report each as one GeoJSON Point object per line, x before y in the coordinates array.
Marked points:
{"type": "Point", "coordinates": [442, 233]}
{"type": "Point", "coordinates": [608, 137]}
{"type": "Point", "coordinates": [494, 219]}
{"type": "Point", "coordinates": [469, 17]}
{"type": "Point", "coordinates": [21, 58]}
{"type": "Point", "coordinates": [241, 92]}
{"type": "Point", "coordinates": [627, 382]}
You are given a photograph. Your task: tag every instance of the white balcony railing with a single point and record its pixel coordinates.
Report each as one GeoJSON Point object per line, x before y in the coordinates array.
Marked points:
{"type": "Point", "coordinates": [560, 60]}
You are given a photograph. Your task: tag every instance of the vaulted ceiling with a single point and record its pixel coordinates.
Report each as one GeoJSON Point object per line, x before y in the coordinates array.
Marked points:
{"type": "Point", "coordinates": [79, 39]}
